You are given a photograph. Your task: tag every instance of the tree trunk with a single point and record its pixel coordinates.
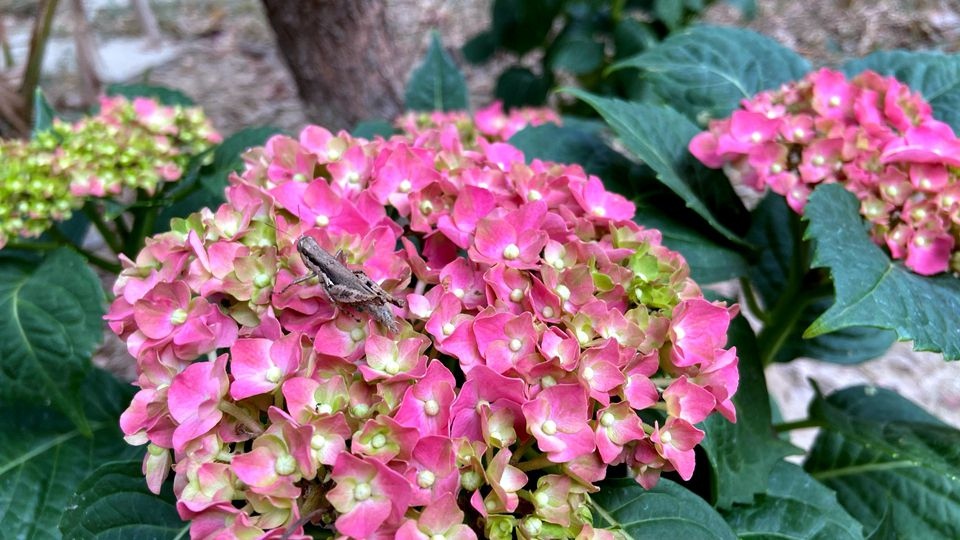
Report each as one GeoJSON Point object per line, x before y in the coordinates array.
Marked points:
{"type": "Point", "coordinates": [343, 58]}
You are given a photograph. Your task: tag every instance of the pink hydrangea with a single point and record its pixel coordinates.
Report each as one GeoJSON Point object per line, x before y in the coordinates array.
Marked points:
{"type": "Point", "coordinates": [532, 337]}
{"type": "Point", "coordinates": [871, 134]}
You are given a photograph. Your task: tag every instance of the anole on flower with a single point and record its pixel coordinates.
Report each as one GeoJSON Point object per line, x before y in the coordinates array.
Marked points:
{"type": "Point", "coordinates": [344, 286]}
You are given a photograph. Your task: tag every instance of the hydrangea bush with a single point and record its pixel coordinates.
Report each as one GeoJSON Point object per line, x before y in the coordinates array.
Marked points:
{"type": "Point", "coordinates": [552, 369]}
{"type": "Point", "coordinates": [133, 144]}
{"type": "Point", "coordinates": [871, 134]}
{"type": "Point", "coordinates": [546, 338]}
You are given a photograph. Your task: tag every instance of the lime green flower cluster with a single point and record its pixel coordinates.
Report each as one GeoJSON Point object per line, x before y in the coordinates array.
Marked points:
{"type": "Point", "coordinates": [136, 144]}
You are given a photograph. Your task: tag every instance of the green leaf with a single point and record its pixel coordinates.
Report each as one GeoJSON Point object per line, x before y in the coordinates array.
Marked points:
{"type": "Point", "coordinates": [518, 86]}
{"type": "Point", "coordinates": [368, 129]}
{"type": "Point", "coordinates": [164, 95]}
{"type": "Point", "coordinates": [523, 25]}
{"type": "Point", "coordinates": [705, 71]}
{"type": "Point", "coordinates": [568, 144]}
{"type": "Point", "coordinates": [669, 12]}
{"type": "Point", "coordinates": [743, 454]}
{"type": "Point", "coordinates": [480, 48]}
{"type": "Point", "coordinates": [667, 510]}
{"type": "Point", "coordinates": [577, 54]}
{"type": "Point", "coordinates": [114, 503]}
{"type": "Point", "coordinates": [883, 455]}
{"type": "Point", "coordinates": [632, 37]}
{"type": "Point", "coordinates": [933, 74]}
{"type": "Point", "coordinates": [871, 290]}
{"type": "Point", "coordinates": [437, 84]}
{"type": "Point", "coordinates": [794, 506]}
{"type": "Point", "coordinates": [50, 323]}
{"type": "Point", "coordinates": [43, 113]}
{"type": "Point", "coordinates": [206, 187]}
{"type": "Point", "coordinates": [781, 263]}
{"type": "Point", "coordinates": [43, 457]}
{"type": "Point", "coordinates": [658, 136]}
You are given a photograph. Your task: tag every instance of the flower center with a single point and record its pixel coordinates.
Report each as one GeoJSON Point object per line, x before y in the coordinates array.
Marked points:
{"type": "Point", "coordinates": [470, 480]}
{"type": "Point", "coordinates": [599, 211]}
{"type": "Point", "coordinates": [511, 252]}
{"type": "Point", "coordinates": [548, 312]}
{"type": "Point", "coordinates": [405, 186]}
{"type": "Point", "coordinates": [534, 195]}
{"type": "Point", "coordinates": [448, 328]}
{"type": "Point", "coordinates": [431, 407]}
{"type": "Point", "coordinates": [516, 344]}
{"type": "Point", "coordinates": [321, 220]}
{"type": "Point", "coordinates": [588, 373]}
{"type": "Point", "coordinates": [563, 292]}
{"type": "Point", "coordinates": [666, 437]}
{"type": "Point", "coordinates": [273, 374]}
{"type": "Point", "coordinates": [607, 419]}
{"type": "Point", "coordinates": [426, 208]}
{"type": "Point", "coordinates": [324, 408]}
{"type": "Point", "coordinates": [392, 367]}
{"type": "Point", "coordinates": [834, 101]}
{"type": "Point", "coordinates": [541, 498]}
{"type": "Point", "coordinates": [362, 491]}
{"type": "Point", "coordinates": [359, 410]}
{"type": "Point", "coordinates": [178, 317]}
{"type": "Point", "coordinates": [516, 295]}
{"type": "Point", "coordinates": [532, 526]}
{"type": "Point", "coordinates": [261, 281]}
{"type": "Point", "coordinates": [458, 292]}
{"type": "Point", "coordinates": [425, 479]}
{"type": "Point", "coordinates": [285, 465]}
{"type": "Point", "coordinates": [549, 427]}
{"type": "Point", "coordinates": [547, 381]}
{"type": "Point", "coordinates": [317, 441]}
{"type": "Point", "coordinates": [357, 334]}
{"type": "Point", "coordinates": [756, 136]}
{"type": "Point", "coordinates": [378, 441]}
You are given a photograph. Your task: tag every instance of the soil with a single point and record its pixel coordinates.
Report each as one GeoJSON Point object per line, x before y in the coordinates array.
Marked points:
{"type": "Point", "coordinates": [226, 60]}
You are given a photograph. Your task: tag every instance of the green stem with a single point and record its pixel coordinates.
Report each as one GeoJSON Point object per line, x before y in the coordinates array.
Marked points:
{"type": "Point", "coordinates": [539, 462]}
{"type": "Point", "coordinates": [38, 44]}
{"type": "Point", "coordinates": [255, 427]}
{"type": "Point", "coordinates": [32, 246]}
{"type": "Point", "coordinates": [521, 450]}
{"type": "Point", "coordinates": [143, 220]}
{"type": "Point", "coordinates": [108, 236]}
{"type": "Point", "coordinates": [96, 260]}
{"type": "Point", "coordinates": [750, 297]}
{"type": "Point", "coordinates": [786, 313]}
{"type": "Point", "coordinates": [806, 423]}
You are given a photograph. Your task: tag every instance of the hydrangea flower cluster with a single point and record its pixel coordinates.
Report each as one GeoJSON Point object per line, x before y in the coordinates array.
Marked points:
{"type": "Point", "coordinates": [491, 122]}
{"type": "Point", "coordinates": [870, 133]}
{"type": "Point", "coordinates": [135, 144]}
{"type": "Point", "coordinates": [545, 338]}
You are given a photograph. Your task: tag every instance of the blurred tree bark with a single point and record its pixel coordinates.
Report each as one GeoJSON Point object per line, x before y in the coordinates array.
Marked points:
{"type": "Point", "coordinates": [342, 56]}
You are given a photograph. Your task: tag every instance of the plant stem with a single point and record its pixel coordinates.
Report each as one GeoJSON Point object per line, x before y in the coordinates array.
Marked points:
{"type": "Point", "coordinates": [255, 427]}
{"type": "Point", "coordinates": [790, 305]}
{"type": "Point", "coordinates": [38, 44]}
{"type": "Point", "coordinates": [108, 236]}
{"type": "Point", "coordinates": [750, 297]}
{"type": "Point", "coordinates": [32, 246]}
{"type": "Point", "coordinates": [536, 463]}
{"type": "Point", "coordinates": [806, 423]}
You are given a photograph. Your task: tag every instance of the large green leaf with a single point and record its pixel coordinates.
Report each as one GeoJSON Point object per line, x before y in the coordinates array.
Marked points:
{"type": "Point", "coordinates": [437, 84]}
{"type": "Point", "coordinates": [44, 457]}
{"type": "Point", "coordinates": [163, 95]}
{"type": "Point", "coordinates": [794, 506]}
{"type": "Point", "coordinates": [935, 75]}
{"type": "Point", "coordinates": [705, 71]}
{"type": "Point", "coordinates": [50, 322]}
{"type": "Point", "coordinates": [743, 454]}
{"type": "Point", "coordinates": [522, 25]}
{"type": "Point", "coordinates": [778, 275]}
{"type": "Point", "coordinates": [658, 136]}
{"type": "Point", "coordinates": [667, 510]}
{"type": "Point", "coordinates": [871, 289]}
{"type": "Point", "coordinates": [114, 503]}
{"type": "Point", "coordinates": [585, 147]}
{"type": "Point", "coordinates": [518, 86]}
{"type": "Point", "coordinates": [883, 454]}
